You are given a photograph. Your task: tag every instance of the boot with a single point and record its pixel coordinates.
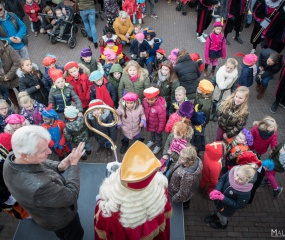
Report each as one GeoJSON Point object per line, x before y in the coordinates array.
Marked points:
{"type": "Point", "coordinates": [261, 92]}
{"type": "Point", "coordinates": [257, 87]}
{"type": "Point", "coordinates": [205, 74]}
{"type": "Point", "coordinates": [124, 147]}
{"type": "Point", "coordinates": [212, 74]}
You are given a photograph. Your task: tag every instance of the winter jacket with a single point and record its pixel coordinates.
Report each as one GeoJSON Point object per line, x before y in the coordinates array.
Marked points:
{"type": "Point", "coordinates": [181, 180]}
{"type": "Point", "coordinates": [60, 98]}
{"type": "Point", "coordinates": [115, 82]}
{"type": "Point", "coordinates": [136, 47]}
{"type": "Point", "coordinates": [111, 8]}
{"type": "Point", "coordinates": [81, 87]}
{"type": "Point", "coordinates": [49, 198]}
{"type": "Point", "coordinates": [129, 6]}
{"type": "Point", "coordinates": [2, 120]}
{"type": "Point", "coordinates": [233, 200]}
{"type": "Point", "coordinates": [32, 16]}
{"type": "Point", "coordinates": [28, 115]}
{"type": "Point", "coordinates": [246, 76]}
{"type": "Point", "coordinates": [278, 166]}
{"type": "Point", "coordinates": [16, 7]}
{"type": "Point", "coordinates": [198, 138]}
{"type": "Point", "coordinates": [130, 125]}
{"type": "Point", "coordinates": [11, 62]}
{"type": "Point", "coordinates": [85, 5]}
{"type": "Point", "coordinates": [93, 65]}
{"type": "Point", "coordinates": [224, 82]}
{"type": "Point", "coordinates": [230, 125]}
{"type": "Point", "coordinates": [173, 118]}
{"type": "Point", "coordinates": [261, 145]}
{"type": "Point", "coordinates": [215, 43]}
{"type": "Point", "coordinates": [122, 28]}
{"type": "Point", "coordinates": [4, 94]}
{"type": "Point", "coordinates": [126, 85]}
{"type": "Point", "coordinates": [155, 115]}
{"type": "Point", "coordinates": [167, 89]}
{"type": "Point", "coordinates": [46, 22]}
{"type": "Point", "coordinates": [46, 78]}
{"type": "Point", "coordinates": [188, 73]}
{"type": "Point", "coordinates": [206, 102]}
{"type": "Point", "coordinates": [76, 131]}
{"type": "Point", "coordinates": [106, 117]}
{"type": "Point", "coordinates": [28, 83]}
{"type": "Point", "coordinates": [269, 71]}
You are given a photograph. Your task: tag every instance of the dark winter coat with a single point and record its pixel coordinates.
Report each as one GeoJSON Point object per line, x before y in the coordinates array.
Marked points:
{"type": "Point", "coordinates": [111, 8]}
{"type": "Point", "coordinates": [46, 78]}
{"type": "Point", "coordinates": [28, 83]}
{"type": "Point", "coordinates": [76, 131]}
{"type": "Point", "coordinates": [2, 120]}
{"type": "Point", "coordinates": [198, 139]}
{"type": "Point", "coordinates": [155, 115]}
{"type": "Point", "coordinates": [188, 73]}
{"type": "Point", "coordinates": [11, 62]}
{"type": "Point", "coordinates": [16, 7]}
{"type": "Point", "coordinates": [246, 76]}
{"type": "Point", "coordinates": [278, 167]}
{"type": "Point", "coordinates": [230, 125]}
{"type": "Point", "coordinates": [4, 94]}
{"type": "Point", "coordinates": [110, 89]}
{"type": "Point", "coordinates": [46, 22]}
{"type": "Point", "coordinates": [136, 47]}
{"type": "Point", "coordinates": [233, 200]}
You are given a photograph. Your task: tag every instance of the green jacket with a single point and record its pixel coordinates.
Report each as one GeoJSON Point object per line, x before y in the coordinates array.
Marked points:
{"type": "Point", "coordinates": [115, 68]}
{"type": "Point", "coordinates": [93, 65]}
{"type": "Point", "coordinates": [85, 4]}
{"type": "Point", "coordinates": [206, 101]}
{"type": "Point", "coordinates": [76, 131]}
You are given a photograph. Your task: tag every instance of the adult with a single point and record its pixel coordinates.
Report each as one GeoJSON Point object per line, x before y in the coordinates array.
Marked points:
{"type": "Point", "coordinates": [13, 30]}
{"type": "Point", "coordinates": [188, 73]}
{"type": "Point", "coordinates": [49, 198]}
{"type": "Point", "coordinates": [273, 32]}
{"type": "Point", "coordinates": [47, 21]}
{"type": "Point", "coordinates": [280, 91]}
{"type": "Point", "coordinates": [8, 77]}
{"type": "Point", "coordinates": [269, 63]}
{"type": "Point", "coordinates": [123, 27]}
{"type": "Point", "coordinates": [88, 15]}
{"type": "Point", "coordinates": [15, 6]}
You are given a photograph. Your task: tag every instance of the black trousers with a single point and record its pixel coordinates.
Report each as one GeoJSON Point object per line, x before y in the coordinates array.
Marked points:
{"type": "Point", "coordinates": [233, 24]}
{"type": "Point", "coordinates": [73, 231]}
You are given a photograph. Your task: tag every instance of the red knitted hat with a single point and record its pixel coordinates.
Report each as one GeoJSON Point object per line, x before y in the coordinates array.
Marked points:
{"type": "Point", "coordinates": [151, 92]}
{"type": "Point", "coordinates": [48, 61]}
{"type": "Point", "coordinates": [161, 51]}
{"type": "Point", "coordinates": [70, 65]}
{"type": "Point", "coordinates": [55, 74]}
{"type": "Point", "coordinates": [95, 102]}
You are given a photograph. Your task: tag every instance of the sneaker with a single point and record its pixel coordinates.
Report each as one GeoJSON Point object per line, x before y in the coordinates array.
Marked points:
{"type": "Point", "coordinates": [205, 35]}
{"type": "Point", "coordinates": [253, 51]}
{"type": "Point", "coordinates": [156, 150]}
{"type": "Point", "coordinates": [274, 107]}
{"type": "Point", "coordinates": [154, 16]}
{"type": "Point", "coordinates": [277, 192]}
{"type": "Point", "coordinates": [150, 144]}
{"type": "Point", "coordinates": [201, 39]}
{"type": "Point", "coordinates": [265, 182]}
{"type": "Point", "coordinates": [218, 225]}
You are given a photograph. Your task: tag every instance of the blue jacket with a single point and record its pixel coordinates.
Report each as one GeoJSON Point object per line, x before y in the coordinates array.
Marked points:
{"type": "Point", "coordinates": [11, 31]}
{"type": "Point", "coordinates": [246, 76]}
{"type": "Point", "coordinates": [46, 78]}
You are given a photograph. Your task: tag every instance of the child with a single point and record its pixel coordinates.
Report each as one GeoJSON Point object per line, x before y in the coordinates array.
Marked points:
{"type": "Point", "coordinates": [135, 79]}
{"type": "Point", "coordinates": [110, 57]}
{"type": "Point", "coordinates": [131, 119]}
{"type": "Point", "coordinates": [137, 29]}
{"type": "Point", "coordinates": [130, 7]}
{"type": "Point", "coordinates": [102, 89]}
{"type": "Point", "coordinates": [106, 117]}
{"type": "Point", "coordinates": [173, 56]}
{"type": "Point", "coordinates": [14, 122]}
{"type": "Point", "coordinates": [75, 130]}
{"type": "Point", "coordinates": [248, 70]}
{"type": "Point", "coordinates": [176, 141]}
{"type": "Point", "coordinates": [159, 58]}
{"type": "Point", "coordinates": [233, 114]}
{"type": "Point", "coordinates": [30, 81]}
{"type": "Point", "coordinates": [225, 79]}
{"type": "Point", "coordinates": [155, 112]}
{"type": "Point", "coordinates": [88, 61]}
{"type": "Point", "coordinates": [215, 48]}
{"type": "Point", "coordinates": [61, 93]}
{"type": "Point", "coordinates": [180, 97]}
{"type": "Point", "coordinates": [110, 44]}
{"type": "Point", "coordinates": [141, 5]}
{"type": "Point", "coordinates": [237, 146]}
{"type": "Point", "coordinates": [32, 9]}
{"type": "Point", "coordinates": [55, 127]}
{"type": "Point", "coordinates": [49, 62]}
{"type": "Point", "coordinates": [212, 165]}
{"type": "Point", "coordinates": [186, 110]}
{"type": "Point", "coordinates": [110, 34]}
{"type": "Point", "coordinates": [204, 97]}
{"type": "Point", "coordinates": [60, 23]}
{"type": "Point", "coordinates": [79, 81]}
{"type": "Point", "coordinates": [31, 109]}
{"type": "Point", "coordinates": [198, 121]}
{"type": "Point", "coordinates": [114, 78]}
{"type": "Point", "coordinates": [5, 111]}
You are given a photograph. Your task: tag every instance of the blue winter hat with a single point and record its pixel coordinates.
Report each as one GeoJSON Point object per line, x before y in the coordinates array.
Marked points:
{"type": "Point", "coordinates": [198, 118]}
{"type": "Point", "coordinates": [95, 76]}
{"type": "Point", "coordinates": [268, 163]}
{"type": "Point", "coordinates": [50, 114]}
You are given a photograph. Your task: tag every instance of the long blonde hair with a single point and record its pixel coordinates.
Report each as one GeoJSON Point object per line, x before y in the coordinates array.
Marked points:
{"type": "Point", "coordinates": [141, 71]}
{"type": "Point", "coordinates": [265, 123]}
{"type": "Point", "coordinates": [243, 109]}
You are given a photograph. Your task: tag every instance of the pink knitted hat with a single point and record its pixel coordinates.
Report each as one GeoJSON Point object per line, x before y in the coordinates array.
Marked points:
{"type": "Point", "coordinates": [15, 119]}
{"type": "Point", "coordinates": [250, 59]}
{"type": "Point", "coordinates": [130, 97]}
{"type": "Point", "coordinates": [109, 54]}
{"type": "Point", "coordinates": [140, 36]}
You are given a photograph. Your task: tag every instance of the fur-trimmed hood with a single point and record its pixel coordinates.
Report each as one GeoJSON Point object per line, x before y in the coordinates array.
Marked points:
{"type": "Point", "coordinates": [20, 72]}
{"type": "Point", "coordinates": [122, 103]}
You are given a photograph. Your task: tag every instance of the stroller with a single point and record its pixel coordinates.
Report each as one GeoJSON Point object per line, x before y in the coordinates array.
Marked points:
{"type": "Point", "coordinates": [71, 28]}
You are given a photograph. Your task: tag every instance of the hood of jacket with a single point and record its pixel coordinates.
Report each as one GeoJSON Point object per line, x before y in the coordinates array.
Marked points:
{"type": "Point", "coordinates": [116, 68]}
{"type": "Point", "coordinates": [196, 168]}
{"type": "Point", "coordinates": [184, 59]}
{"type": "Point", "coordinates": [20, 72]}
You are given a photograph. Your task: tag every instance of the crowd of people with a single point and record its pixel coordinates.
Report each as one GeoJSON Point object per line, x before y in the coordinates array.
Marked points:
{"type": "Point", "coordinates": [149, 90]}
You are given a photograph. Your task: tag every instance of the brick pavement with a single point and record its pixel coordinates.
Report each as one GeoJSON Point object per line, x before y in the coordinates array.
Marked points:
{"type": "Point", "coordinates": [253, 222]}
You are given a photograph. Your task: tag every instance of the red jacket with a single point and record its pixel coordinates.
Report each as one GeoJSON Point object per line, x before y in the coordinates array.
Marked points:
{"type": "Point", "coordinates": [32, 16]}
{"type": "Point", "coordinates": [155, 115]}
{"type": "Point", "coordinates": [260, 145]}
{"type": "Point", "coordinates": [81, 87]}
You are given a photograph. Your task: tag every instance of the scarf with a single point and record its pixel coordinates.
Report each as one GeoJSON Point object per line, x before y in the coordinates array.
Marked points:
{"type": "Point", "coordinates": [242, 188]}
{"type": "Point", "coordinates": [161, 78]}
{"type": "Point", "coordinates": [103, 94]}
{"type": "Point", "coordinates": [264, 134]}
{"type": "Point", "coordinates": [134, 78]}
{"type": "Point", "coordinates": [177, 145]}
{"type": "Point", "coordinates": [36, 116]}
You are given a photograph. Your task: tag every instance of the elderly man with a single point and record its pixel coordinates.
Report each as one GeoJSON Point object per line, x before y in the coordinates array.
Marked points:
{"type": "Point", "coordinates": [123, 27]}
{"type": "Point", "coordinates": [13, 30]}
{"type": "Point", "coordinates": [38, 185]}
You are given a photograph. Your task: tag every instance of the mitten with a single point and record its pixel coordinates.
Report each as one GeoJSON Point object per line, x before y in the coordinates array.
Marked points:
{"type": "Point", "coordinates": [219, 196]}
{"type": "Point", "coordinates": [214, 192]}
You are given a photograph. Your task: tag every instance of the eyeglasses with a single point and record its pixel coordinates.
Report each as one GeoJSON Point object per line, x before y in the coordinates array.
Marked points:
{"type": "Point", "coordinates": [1, 109]}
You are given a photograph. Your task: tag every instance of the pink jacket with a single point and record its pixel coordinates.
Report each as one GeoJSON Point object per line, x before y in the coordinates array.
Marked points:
{"type": "Point", "coordinates": [215, 42]}
{"type": "Point", "coordinates": [155, 115]}
{"type": "Point", "coordinates": [260, 145]}
{"type": "Point", "coordinates": [173, 118]}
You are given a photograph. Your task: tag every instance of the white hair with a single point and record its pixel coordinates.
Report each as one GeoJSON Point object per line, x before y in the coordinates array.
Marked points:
{"type": "Point", "coordinates": [25, 139]}
{"type": "Point", "coordinates": [123, 14]}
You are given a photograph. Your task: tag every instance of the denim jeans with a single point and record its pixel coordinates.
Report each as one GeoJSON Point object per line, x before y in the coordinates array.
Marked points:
{"type": "Point", "coordinates": [264, 81]}
{"type": "Point", "coordinates": [151, 3]}
{"type": "Point", "coordinates": [88, 18]}
{"type": "Point", "coordinates": [23, 52]}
